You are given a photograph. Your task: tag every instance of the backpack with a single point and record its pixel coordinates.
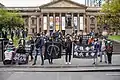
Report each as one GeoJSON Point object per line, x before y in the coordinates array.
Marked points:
{"type": "Point", "coordinates": [109, 47]}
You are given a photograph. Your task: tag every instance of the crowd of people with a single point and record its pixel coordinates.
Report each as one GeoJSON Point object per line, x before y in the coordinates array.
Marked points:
{"type": "Point", "coordinates": [37, 45]}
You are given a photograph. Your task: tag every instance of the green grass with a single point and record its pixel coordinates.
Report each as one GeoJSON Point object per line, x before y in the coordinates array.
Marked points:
{"type": "Point", "coordinates": [115, 37]}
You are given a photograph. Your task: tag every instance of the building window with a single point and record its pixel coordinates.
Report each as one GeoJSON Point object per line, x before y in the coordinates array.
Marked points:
{"type": "Point", "coordinates": [92, 19]}
{"type": "Point", "coordinates": [40, 21]}
{"type": "Point", "coordinates": [26, 21]}
{"type": "Point", "coordinates": [33, 31]}
{"type": "Point", "coordinates": [33, 21]}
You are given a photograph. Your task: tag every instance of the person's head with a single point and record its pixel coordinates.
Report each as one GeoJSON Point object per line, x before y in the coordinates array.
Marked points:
{"type": "Point", "coordinates": [10, 42]}
{"type": "Point", "coordinates": [95, 39]}
{"type": "Point", "coordinates": [20, 46]}
{"type": "Point", "coordinates": [38, 34]}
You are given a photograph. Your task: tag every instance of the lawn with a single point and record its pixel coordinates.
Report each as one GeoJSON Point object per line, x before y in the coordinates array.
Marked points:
{"type": "Point", "coordinates": [115, 37]}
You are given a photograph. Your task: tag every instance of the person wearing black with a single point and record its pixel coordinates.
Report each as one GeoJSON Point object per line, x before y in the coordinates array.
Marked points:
{"type": "Point", "coordinates": [109, 50]}
{"type": "Point", "coordinates": [12, 35]}
{"type": "Point", "coordinates": [22, 42]}
{"type": "Point", "coordinates": [39, 43]}
{"type": "Point", "coordinates": [68, 45]}
{"type": "Point", "coordinates": [31, 41]}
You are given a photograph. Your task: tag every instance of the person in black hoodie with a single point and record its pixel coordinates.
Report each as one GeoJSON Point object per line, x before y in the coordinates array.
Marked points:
{"type": "Point", "coordinates": [68, 45]}
{"type": "Point", "coordinates": [31, 42]}
{"type": "Point", "coordinates": [39, 42]}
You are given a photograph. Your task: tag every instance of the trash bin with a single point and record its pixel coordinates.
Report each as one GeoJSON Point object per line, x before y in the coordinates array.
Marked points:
{"type": "Point", "coordinates": [3, 43]}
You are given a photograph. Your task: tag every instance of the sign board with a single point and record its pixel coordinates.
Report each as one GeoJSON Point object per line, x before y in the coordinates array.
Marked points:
{"type": "Point", "coordinates": [52, 49]}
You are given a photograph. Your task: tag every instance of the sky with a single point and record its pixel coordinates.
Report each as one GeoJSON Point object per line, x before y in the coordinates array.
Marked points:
{"type": "Point", "coordinates": [26, 3]}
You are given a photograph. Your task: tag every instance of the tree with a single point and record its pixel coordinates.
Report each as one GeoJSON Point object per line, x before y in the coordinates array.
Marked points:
{"type": "Point", "coordinates": [10, 20]}
{"type": "Point", "coordinates": [111, 15]}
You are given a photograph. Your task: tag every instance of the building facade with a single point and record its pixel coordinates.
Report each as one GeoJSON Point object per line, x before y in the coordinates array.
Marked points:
{"type": "Point", "coordinates": [63, 15]}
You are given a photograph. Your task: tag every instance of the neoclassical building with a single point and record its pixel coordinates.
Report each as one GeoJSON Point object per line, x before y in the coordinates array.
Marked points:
{"type": "Point", "coordinates": [64, 15]}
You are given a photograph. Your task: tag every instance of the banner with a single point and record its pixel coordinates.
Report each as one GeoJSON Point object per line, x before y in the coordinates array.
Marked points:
{"type": "Point", "coordinates": [75, 23]}
{"type": "Point", "coordinates": [51, 22]}
{"type": "Point", "coordinates": [63, 23]}
{"type": "Point", "coordinates": [57, 22]}
{"type": "Point", "coordinates": [52, 49]}
{"type": "Point", "coordinates": [81, 23]}
{"type": "Point", "coordinates": [84, 50]}
{"type": "Point", "coordinates": [44, 23]}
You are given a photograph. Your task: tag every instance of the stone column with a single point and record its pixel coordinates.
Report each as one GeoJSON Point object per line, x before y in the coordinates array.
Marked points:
{"type": "Point", "coordinates": [60, 22]}
{"type": "Point", "coordinates": [38, 26]}
{"type": "Point", "coordinates": [78, 23]}
{"type": "Point", "coordinates": [41, 16]}
{"type": "Point", "coordinates": [96, 24]}
{"type": "Point", "coordinates": [84, 22]}
{"type": "Point", "coordinates": [88, 23]}
{"type": "Point", "coordinates": [72, 21]}
{"type": "Point", "coordinates": [48, 20]}
{"type": "Point", "coordinates": [29, 25]}
{"type": "Point", "coordinates": [54, 21]}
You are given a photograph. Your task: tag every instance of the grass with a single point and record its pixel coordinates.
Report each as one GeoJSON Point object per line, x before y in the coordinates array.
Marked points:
{"type": "Point", "coordinates": [115, 37]}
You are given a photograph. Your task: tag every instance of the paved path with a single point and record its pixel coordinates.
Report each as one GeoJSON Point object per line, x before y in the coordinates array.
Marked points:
{"type": "Point", "coordinates": [60, 76]}
{"type": "Point", "coordinates": [60, 63]}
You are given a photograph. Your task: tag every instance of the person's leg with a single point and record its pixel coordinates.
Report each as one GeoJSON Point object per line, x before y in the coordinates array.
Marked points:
{"type": "Point", "coordinates": [31, 54]}
{"type": "Point", "coordinates": [42, 59]}
{"type": "Point", "coordinates": [35, 57]}
{"type": "Point", "coordinates": [110, 58]}
{"type": "Point", "coordinates": [70, 57]}
{"type": "Point", "coordinates": [66, 56]}
{"type": "Point", "coordinates": [49, 59]}
{"type": "Point", "coordinates": [101, 56]}
{"type": "Point", "coordinates": [105, 56]}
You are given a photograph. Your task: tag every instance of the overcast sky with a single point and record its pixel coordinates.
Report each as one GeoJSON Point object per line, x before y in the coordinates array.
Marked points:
{"type": "Point", "coordinates": [20, 3]}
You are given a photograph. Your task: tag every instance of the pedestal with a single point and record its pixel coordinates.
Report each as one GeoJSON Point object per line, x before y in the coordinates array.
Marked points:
{"type": "Point", "coordinates": [68, 30]}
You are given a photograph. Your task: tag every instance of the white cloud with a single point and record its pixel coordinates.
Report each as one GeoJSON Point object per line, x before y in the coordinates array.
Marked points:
{"type": "Point", "coordinates": [20, 3]}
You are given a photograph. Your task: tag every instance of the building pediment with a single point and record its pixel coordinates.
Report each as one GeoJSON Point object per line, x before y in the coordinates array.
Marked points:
{"type": "Point", "coordinates": [63, 4]}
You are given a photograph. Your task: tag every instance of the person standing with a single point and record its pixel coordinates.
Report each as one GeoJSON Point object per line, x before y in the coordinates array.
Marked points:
{"type": "Point", "coordinates": [102, 51]}
{"type": "Point", "coordinates": [39, 43]}
{"type": "Point", "coordinates": [109, 50]}
{"type": "Point", "coordinates": [12, 35]}
{"type": "Point", "coordinates": [32, 47]}
{"type": "Point", "coordinates": [68, 45]}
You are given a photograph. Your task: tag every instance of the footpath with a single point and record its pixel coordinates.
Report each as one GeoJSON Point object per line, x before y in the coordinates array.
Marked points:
{"type": "Point", "coordinates": [59, 65]}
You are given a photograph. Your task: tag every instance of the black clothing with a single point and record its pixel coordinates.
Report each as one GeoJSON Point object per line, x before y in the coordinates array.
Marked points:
{"type": "Point", "coordinates": [68, 45]}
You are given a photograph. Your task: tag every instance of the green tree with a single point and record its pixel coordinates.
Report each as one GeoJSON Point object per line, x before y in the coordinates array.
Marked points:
{"type": "Point", "coordinates": [111, 15]}
{"type": "Point", "coordinates": [10, 20]}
